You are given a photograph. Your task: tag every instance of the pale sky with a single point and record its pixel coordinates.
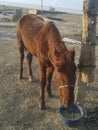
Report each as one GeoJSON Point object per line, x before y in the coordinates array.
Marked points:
{"type": "Point", "coordinates": [57, 4]}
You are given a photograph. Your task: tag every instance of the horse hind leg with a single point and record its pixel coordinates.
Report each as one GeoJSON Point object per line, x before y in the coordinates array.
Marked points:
{"type": "Point", "coordinates": [21, 56]}
{"type": "Point", "coordinates": [29, 61]}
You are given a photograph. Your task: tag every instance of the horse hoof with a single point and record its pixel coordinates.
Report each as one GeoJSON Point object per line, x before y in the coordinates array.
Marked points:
{"type": "Point", "coordinates": [50, 95]}
{"type": "Point", "coordinates": [42, 107]}
{"type": "Point", "coordinates": [30, 79]}
{"type": "Point", "coordinates": [20, 77]}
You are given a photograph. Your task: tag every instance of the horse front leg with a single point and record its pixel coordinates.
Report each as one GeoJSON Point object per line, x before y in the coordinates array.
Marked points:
{"type": "Point", "coordinates": [49, 74]}
{"type": "Point", "coordinates": [42, 87]}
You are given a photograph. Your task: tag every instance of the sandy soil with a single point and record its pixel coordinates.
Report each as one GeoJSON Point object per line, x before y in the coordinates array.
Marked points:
{"type": "Point", "coordinates": [19, 98]}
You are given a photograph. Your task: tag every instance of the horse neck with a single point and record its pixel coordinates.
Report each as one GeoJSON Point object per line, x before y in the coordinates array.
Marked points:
{"type": "Point", "coordinates": [60, 48]}
{"type": "Point", "coordinates": [53, 38]}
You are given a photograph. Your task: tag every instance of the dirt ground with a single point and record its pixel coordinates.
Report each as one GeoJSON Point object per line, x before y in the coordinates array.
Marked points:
{"type": "Point", "coordinates": [19, 98]}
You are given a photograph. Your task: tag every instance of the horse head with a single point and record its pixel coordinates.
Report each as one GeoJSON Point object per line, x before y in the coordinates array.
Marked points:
{"type": "Point", "coordinates": [65, 75]}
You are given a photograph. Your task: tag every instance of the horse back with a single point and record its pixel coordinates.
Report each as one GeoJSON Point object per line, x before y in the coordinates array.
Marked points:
{"type": "Point", "coordinates": [28, 28]}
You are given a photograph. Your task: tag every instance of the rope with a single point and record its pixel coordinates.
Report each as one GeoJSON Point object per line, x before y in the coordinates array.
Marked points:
{"type": "Point", "coordinates": [76, 87]}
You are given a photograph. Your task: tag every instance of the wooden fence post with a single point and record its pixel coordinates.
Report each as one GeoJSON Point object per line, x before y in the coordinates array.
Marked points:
{"type": "Point", "coordinates": [87, 57]}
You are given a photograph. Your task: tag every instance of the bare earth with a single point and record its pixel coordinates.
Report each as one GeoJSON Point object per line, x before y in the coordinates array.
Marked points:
{"type": "Point", "coordinates": [19, 98]}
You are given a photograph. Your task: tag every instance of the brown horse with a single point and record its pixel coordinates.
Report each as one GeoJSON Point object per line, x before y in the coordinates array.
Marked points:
{"type": "Point", "coordinates": [42, 39]}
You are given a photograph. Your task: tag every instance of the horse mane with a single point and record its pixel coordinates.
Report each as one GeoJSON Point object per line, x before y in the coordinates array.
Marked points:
{"type": "Point", "coordinates": [49, 29]}
{"type": "Point", "coordinates": [50, 26]}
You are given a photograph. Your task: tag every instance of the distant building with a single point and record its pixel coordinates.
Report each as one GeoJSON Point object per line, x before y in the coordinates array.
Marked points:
{"type": "Point", "coordinates": [32, 11]}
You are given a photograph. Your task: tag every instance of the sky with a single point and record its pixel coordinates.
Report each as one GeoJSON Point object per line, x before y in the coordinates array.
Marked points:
{"type": "Point", "coordinates": [60, 5]}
